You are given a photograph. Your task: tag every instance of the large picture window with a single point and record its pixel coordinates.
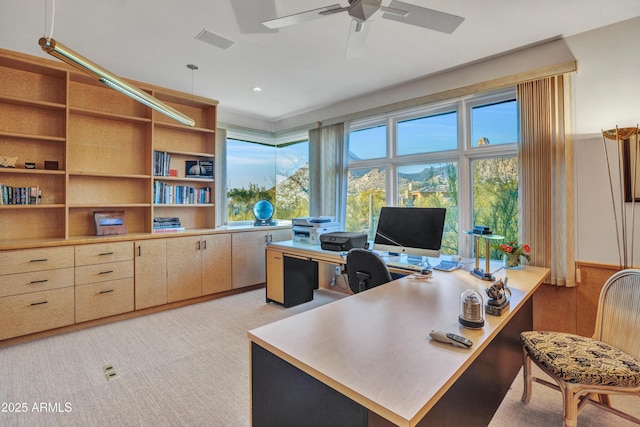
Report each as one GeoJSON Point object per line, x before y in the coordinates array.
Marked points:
{"type": "Point", "coordinates": [278, 173]}
{"type": "Point", "coordinates": [460, 154]}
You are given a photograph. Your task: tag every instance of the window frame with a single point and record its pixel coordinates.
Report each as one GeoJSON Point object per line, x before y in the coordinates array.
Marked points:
{"type": "Point", "coordinates": [463, 156]}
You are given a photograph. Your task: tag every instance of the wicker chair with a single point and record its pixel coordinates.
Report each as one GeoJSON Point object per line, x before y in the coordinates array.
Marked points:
{"type": "Point", "coordinates": [588, 370]}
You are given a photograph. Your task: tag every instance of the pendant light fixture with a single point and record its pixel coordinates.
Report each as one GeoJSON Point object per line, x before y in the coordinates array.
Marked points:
{"type": "Point", "coordinates": [63, 53]}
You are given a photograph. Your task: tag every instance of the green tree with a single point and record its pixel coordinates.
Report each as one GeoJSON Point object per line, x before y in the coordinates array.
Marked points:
{"type": "Point", "coordinates": [240, 201]}
{"type": "Point", "coordinates": [496, 197]}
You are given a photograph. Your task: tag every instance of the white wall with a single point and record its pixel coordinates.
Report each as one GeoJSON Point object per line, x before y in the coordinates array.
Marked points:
{"type": "Point", "coordinates": [606, 94]}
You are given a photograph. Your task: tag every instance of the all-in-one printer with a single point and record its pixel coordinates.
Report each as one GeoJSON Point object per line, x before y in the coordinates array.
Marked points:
{"type": "Point", "coordinates": [309, 229]}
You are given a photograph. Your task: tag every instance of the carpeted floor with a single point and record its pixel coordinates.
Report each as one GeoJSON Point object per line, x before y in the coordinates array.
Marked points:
{"type": "Point", "coordinates": [184, 367]}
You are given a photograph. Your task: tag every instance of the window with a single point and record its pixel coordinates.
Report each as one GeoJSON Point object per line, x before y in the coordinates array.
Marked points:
{"type": "Point", "coordinates": [258, 171]}
{"type": "Point", "coordinates": [428, 134]}
{"type": "Point", "coordinates": [459, 154]}
{"type": "Point", "coordinates": [365, 196]}
{"type": "Point", "coordinates": [370, 143]}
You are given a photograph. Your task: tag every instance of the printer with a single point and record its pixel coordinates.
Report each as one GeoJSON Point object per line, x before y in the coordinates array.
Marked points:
{"type": "Point", "coordinates": [309, 229]}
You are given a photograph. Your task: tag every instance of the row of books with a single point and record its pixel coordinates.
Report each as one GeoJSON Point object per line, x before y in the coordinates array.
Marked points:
{"type": "Point", "coordinates": [164, 193]}
{"type": "Point", "coordinates": [20, 195]}
{"type": "Point", "coordinates": [161, 163]}
{"type": "Point", "coordinates": [166, 224]}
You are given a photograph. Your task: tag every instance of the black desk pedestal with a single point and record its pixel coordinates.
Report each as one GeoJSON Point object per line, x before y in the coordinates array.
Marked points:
{"type": "Point", "coordinates": [300, 279]}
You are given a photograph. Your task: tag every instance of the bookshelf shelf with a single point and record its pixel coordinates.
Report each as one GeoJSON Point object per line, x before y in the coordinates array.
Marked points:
{"type": "Point", "coordinates": [104, 145]}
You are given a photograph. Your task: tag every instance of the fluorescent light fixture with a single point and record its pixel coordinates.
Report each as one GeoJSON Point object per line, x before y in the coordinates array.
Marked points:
{"type": "Point", "coordinates": [67, 55]}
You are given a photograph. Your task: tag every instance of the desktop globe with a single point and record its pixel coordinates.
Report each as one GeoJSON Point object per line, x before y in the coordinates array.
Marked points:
{"type": "Point", "coordinates": [263, 212]}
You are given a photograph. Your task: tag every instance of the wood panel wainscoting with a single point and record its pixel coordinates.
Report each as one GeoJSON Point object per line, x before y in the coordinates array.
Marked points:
{"type": "Point", "coordinates": [572, 310]}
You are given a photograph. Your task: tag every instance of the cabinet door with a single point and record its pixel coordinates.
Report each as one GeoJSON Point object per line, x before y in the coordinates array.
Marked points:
{"type": "Point", "coordinates": [248, 266]}
{"type": "Point", "coordinates": [275, 276]}
{"type": "Point", "coordinates": [150, 273]}
{"type": "Point", "coordinates": [184, 275]}
{"type": "Point", "coordinates": [280, 235]}
{"type": "Point", "coordinates": [216, 263]}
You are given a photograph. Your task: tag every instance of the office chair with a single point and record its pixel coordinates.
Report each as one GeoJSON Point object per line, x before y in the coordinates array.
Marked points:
{"type": "Point", "coordinates": [365, 270]}
{"type": "Point", "coordinates": [587, 370]}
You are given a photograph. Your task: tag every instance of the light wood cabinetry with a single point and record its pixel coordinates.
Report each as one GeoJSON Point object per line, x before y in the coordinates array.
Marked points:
{"type": "Point", "coordinates": [184, 275]}
{"type": "Point", "coordinates": [103, 143]}
{"type": "Point", "coordinates": [198, 265]}
{"type": "Point", "coordinates": [35, 294]}
{"type": "Point", "coordinates": [248, 260]}
{"type": "Point", "coordinates": [216, 263]}
{"type": "Point", "coordinates": [275, 276]}
{"type": "Point", "coordinates": [103, 280]}
{"type": "Point", "coordinates": [150, 266]}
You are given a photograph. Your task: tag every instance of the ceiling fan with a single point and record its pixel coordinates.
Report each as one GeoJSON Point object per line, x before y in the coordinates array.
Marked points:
{"type": "Point", "coordinates": [361, 10]}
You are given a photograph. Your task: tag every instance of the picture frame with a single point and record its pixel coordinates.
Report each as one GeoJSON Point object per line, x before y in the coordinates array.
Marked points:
{"type": "Point", "coordinates": [109, 223]}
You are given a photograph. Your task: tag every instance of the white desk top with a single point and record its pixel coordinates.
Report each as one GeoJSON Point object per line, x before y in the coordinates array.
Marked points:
{"type": "Point", "coordinates": [374, 347]}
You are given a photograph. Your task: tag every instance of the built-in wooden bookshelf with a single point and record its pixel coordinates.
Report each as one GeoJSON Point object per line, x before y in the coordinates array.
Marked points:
{"type": "Point", "coordinates": [103, 143]}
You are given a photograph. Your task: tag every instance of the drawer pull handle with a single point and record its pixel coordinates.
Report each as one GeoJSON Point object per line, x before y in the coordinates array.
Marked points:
{"type": "Point", "coordinates": [39, 260]}
{"type": "Point", "coordinates": [107, 291]}
{"type": "Point", "coordinates": [106, 253]}
{"type": "Point", "coordinates": [106, 272]}
{"type": "Point", "coordinates": [39, 303]}
{"type": "Point", "coordinates": [39, 281]}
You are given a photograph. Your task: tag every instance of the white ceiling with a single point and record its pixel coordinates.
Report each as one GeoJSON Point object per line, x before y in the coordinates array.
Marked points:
{"type": "Point", "coordinates": [300, 68]}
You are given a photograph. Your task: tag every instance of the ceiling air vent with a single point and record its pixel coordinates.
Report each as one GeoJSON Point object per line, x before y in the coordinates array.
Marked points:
{"type": "Point", "coordinates": [214, 39]}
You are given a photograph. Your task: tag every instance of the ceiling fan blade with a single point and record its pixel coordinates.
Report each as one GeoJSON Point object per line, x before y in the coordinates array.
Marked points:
{"type": "Point", "coordinates": [424, 17]}
{"type": "Point", "coordinates": [357, 39]}
{"type": "Point", "coordinates": [297, 18]}
{"type": "Point", "coordinates": [394, 11]}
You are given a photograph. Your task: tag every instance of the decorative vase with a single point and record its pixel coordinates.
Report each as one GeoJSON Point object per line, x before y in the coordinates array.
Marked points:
{"type": "Point", "coordinates": [512, 261]}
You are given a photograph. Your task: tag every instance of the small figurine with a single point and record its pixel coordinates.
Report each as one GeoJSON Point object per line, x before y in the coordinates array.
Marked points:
{"type": "Point", "coordinates": [498, 294]}
{"type": "Point", "coordinates": [8, 162]}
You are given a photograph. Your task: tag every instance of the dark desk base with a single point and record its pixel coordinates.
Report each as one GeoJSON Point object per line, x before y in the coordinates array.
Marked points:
{"type": "Point", "coordinates": [283, 395]}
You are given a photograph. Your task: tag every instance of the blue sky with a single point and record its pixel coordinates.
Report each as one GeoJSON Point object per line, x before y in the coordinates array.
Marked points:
{"type": "Point", "coordinates": [256, 163]}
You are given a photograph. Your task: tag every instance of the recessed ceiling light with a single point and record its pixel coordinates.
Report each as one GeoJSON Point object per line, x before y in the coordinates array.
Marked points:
{"type": "Point", "coordinates": [257, 89]}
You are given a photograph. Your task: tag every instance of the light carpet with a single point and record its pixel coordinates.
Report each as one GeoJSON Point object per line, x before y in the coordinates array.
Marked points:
{"type": "Point", "coordinates": [183, 367]}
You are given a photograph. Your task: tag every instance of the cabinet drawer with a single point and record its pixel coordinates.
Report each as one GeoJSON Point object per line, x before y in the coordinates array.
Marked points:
{"type": "Point", "coordinates": [103, 299]}
{"type": "Point", "coordinates": [103, 272]}
{"type": "Point", "coordinates": [104, 252]}
{"type": "Point", "coordinates": [35, 312]}
{"type": "Point", "coordinates": [22, 283]}
{"type": "Point", "coordinates": [25, 260]}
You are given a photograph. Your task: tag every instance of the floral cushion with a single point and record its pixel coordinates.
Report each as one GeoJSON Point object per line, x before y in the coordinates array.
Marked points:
{"type": "Point", "coordinates": [577, 359]}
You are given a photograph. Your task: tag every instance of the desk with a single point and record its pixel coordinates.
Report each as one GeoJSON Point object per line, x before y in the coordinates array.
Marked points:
{"type": "Point", "coordinates": [367, 359]}
{"type": "Point", "coordinates": [295, 269]}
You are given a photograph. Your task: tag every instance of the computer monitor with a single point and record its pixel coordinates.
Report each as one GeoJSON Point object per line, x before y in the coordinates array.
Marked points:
{"type": "Point", "coordinates": [411, 231]}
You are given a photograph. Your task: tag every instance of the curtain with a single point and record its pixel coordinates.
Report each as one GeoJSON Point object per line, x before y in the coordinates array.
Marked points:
{"type": "Point", "coordinates": [546, 172]}
{"type": "Point", "coordinates": [326, 170]}
{"type": "Point", "coordinates": [220, 167]}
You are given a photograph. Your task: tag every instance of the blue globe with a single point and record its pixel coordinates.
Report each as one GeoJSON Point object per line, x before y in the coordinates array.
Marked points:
{"type": "Point", "coordinates": [263, 210]}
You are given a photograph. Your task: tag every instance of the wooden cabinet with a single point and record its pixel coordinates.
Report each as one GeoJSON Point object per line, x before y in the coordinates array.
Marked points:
{"type": "Point", "coordinates": [102, 144]}
{"type": "Point", "coordinates": [103, 280]}
{"type": "Point", "coordinates": [36, 290]}
{"type": "Point", "coordinates": [184, 275]}
{"type": "Point", "coordinates": [275, 276]}
{"type": "Point", "coordinates": [216, 263]}
{"type": "Point", "coordinates": [248, 260]}
{"type": "Point", "coordinates": [198, 265]}
{"type": "Point", "coordinates": [150, 272]}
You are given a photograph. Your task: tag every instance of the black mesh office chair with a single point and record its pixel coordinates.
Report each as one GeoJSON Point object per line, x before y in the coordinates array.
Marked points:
{"type": "Point", "coordinates": [365, 270]}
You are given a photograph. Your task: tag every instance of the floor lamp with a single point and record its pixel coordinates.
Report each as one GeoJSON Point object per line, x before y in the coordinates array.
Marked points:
{"type": "Point", "coordinates": [626, 162]}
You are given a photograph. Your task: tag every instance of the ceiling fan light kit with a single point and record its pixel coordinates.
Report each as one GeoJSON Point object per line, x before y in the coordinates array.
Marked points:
{"type": "Point", "coordinates": [76, 60]}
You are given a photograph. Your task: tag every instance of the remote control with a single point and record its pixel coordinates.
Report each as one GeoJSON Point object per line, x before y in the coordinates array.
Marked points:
{"type": "Point", "coordinates": [448, 337]}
